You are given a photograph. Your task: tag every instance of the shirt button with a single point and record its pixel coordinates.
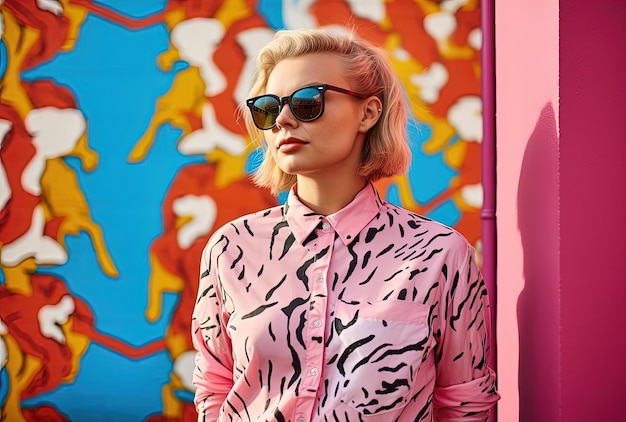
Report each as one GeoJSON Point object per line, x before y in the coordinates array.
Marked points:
{"type": "Point", "coordinates": [301, 420]}
{"type": "Point", "coordinates": [320, 278]}
{"type": "Point", "coordinates": [317, 323]}
{"type": "Point", "coordinates": [314, 371]}
{"type": "Point", "coordinates": [326, 225]}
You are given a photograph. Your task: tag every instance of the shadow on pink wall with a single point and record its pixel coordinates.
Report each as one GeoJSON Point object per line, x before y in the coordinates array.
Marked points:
{"type": "Point", "coordinates": [538, 304]}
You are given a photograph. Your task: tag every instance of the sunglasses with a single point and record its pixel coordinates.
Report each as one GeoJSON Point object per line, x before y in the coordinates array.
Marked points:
{"type": "Point", "coordinates": [306, 104]}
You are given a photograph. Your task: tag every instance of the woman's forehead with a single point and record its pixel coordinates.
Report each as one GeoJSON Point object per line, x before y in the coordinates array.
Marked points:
{"type": "Point", "coordinates": [295, 72]}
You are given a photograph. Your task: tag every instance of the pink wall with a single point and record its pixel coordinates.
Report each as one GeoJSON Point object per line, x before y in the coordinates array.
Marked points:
{"type": "Point", "coordinates": [561, 183]}
{"type": "Point", "coordinates": [527, 90]}
{"type": "Point", "coordinates": [593, 209]}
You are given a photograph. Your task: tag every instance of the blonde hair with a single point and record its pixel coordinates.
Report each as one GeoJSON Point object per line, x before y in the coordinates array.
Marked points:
{"type": "Point", "coordinates": [386, 151]}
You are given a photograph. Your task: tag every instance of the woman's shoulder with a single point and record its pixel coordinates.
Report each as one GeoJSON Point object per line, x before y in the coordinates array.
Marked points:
{"type": "Point", "coordinates": [257, 223]}
{"type": "Point", "coordinates": [427, 227]}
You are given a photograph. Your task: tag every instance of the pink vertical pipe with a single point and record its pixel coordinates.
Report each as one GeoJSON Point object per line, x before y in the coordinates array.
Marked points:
{"type": "Point", "coordinates": [488, 212]}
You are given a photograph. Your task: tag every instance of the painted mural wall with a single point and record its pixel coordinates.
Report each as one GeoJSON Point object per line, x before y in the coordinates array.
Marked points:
{"type": "Point", "coordinates": [120, 154]}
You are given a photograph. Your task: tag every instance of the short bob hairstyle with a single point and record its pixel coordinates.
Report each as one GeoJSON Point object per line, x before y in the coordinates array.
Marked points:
{"type": "Point", "coordinates": [386, 151]}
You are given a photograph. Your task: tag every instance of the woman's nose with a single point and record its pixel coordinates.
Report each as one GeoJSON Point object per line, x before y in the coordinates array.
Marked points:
{"type": "Point", "coordinates": [285, 116]}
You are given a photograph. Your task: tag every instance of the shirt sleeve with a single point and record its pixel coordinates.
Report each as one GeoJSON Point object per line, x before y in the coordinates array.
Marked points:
{"type": "Point", "coordinates": [213, 373]}
{"type": "Point", "coordinates": [466, 387]}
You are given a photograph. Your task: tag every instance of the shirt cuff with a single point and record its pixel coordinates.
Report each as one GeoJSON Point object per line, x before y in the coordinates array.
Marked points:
{"type": "Point", "coordinates": [478, 395]}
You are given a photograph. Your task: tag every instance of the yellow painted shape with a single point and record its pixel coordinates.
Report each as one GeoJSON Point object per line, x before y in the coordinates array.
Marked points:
{"type": "Point", "coordinates": [174, 17]}
{"type": "Point", "coordinates": [17, 279]}
{"type": "Point", "coordinates": [21, 369]}
{"type": "Point", "coordinates": [88, 157]}
{"type": "Point", "coordinates": [186, 95]}
{"type": "Point", "coordinates": [78, 344]}
{"type": "Point", "coordinates": [166, 60]}
{"type": "Point", "coordinates": [19, 40]}
{"type": "Point", "coordinates": [462, 204]}
{"type": "Point", "coordinates": [172, 407]}
{"type": "Point", "coordinates": [442, 133]}
{"type": "Point", "coordinates": [76, 15]}
{"type": "Point", "coordinates": [160, 281]}
{"type": "Point", "coordinates": [176, 344]}
{"type": "Point", "coordinates": [182, 220]}
{"type": "Point", "coordinates": [454, 155]}
{"type": "Point", "coordinates": [405, 192]}
{"type": "Point", "coordinates": [231, 11]}
{"type": "Point", "coordinates": [229, 168]}
{"type": "Point", "coordinates": [471, 5]}
{"type": "Point", "coordinates": [62, 194]}
{"type": "Point", "coordinates": [452, 51]}
{"type": "Point", "coordinates": [428, 6]}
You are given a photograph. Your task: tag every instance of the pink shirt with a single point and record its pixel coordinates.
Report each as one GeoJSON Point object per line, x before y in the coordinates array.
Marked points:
{"type": "Point", "coordinates": [372, 313]}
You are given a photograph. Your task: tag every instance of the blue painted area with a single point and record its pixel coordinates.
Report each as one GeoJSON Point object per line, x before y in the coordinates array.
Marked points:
{"type": "Point", "coordinates": [272, 11]}
{"type": "Point", "coordinates": [136, 9]}
{"type": "Point", "coordinates": [184, 395]}
{"type": "Point", "coordinates": [110, 387]}
{"type": "Point", "coordinates": [113, 74]}
{"type": "Point", "coordinates": [4, 385]}
{"type": "Point", "coordinates": [429, 176]}
{"type": "Point", "coordinates": [4, 59]}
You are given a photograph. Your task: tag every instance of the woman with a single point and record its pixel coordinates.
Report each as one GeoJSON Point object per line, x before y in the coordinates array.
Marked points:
{"type": "Point", "coordinates": [337, 305]}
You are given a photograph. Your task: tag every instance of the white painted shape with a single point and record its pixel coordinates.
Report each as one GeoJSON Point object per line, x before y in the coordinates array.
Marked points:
{"type": "Point", "coordinates": [466, 116]}
{"type": "Point", "coordinates": [4, 355]}
{"type": "Point", "coordinates": [31, 176]}
{"type": "Point", "coordinates": [184, 365]}
{"type": "Point", "coordinates": [52, 6]}
{"type": "Point", "coordinates": [475, 38]}
{"type": "Point", "coordinates": [5, 189]}
{"type": "Point", "coordinates": [196, 40]}
{"type": "Point", "coordinates": [34, 243]}
{"type": "Point", "coordinates": [51, 317]}
{"type": "Point", "coordinates": [55, 133]}
{"type": "Point", "coordinates": [296, 14]}
{"type": "Point", "coordinates": [430, 82]}
{"type": "Point", "coordinates": [473, 195]}
{"type": "Point", "coordinates": [5, 127]}
{"type": "Point", "coordinates": [212, 135]}
{"type": "Point", "coordinates": [251, 41]}
{"type": "Point", "coordinates": [401, 54]}
{"type": "Point", "coordinates": [451, 5]}
{"type": "Point", "coordinates": [440, 25]}
{"type": "Point", "coordinates": [203, 211]}
{"type": "Point", "coordinates": [373, 10]}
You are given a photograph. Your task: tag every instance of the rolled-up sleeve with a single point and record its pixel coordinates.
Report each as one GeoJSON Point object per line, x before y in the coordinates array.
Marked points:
{"type": "Point", "coordinates": [213, 374]}
{"type": "Point", "coordinates": [466, 387]}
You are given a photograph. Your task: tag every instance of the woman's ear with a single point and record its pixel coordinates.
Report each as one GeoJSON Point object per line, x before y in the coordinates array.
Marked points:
{"type": "Point", "coordinates": [372, 110]}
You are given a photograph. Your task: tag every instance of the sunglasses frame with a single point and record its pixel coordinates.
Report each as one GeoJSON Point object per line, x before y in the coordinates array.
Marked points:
{"type": "Point", "coordinates": [321, 88]}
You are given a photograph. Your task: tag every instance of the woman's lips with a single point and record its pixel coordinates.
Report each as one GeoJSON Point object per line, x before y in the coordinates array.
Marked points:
{"type": "Point", "coordinates": [290, 144]}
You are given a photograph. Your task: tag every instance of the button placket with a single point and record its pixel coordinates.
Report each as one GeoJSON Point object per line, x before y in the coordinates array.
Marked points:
{"type": "Point", "coordinates": [317, 312]}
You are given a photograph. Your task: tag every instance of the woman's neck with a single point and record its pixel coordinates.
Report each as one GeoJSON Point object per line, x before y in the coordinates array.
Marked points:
{"type": "Point", "coordinates": [329, 196]}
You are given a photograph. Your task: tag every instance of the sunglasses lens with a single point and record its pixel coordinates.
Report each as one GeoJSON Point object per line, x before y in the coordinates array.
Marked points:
{"type": "Point", "coordinates": [264, 111]}
{"type": "Point", "coordinates": [306, 104]}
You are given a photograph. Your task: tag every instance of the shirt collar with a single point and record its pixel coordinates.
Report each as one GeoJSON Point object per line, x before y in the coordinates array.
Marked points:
{"type": "Point", "coordinates": [347, 222]}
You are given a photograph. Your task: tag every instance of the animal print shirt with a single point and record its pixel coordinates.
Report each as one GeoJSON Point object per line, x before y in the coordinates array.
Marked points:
{"type": "Point", "coordinates": [369, 314]}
